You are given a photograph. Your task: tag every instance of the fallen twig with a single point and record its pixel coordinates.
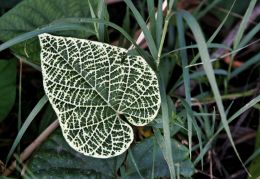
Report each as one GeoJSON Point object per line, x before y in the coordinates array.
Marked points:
{"type": "Point", "coordinates": [31, 148]}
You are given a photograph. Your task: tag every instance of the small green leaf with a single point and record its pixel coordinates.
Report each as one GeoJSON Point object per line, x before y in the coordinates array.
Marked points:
{"type": "Point", "coordinates": [32, 14]}
{"type": "Point", "coordinates": [94, 89]}
{"type": "Point", "coordinates": [55, 159]}
{"type": "Point", "coordinates": [143, 155]}
{"type": "Point", "coordinates": [7, 86]}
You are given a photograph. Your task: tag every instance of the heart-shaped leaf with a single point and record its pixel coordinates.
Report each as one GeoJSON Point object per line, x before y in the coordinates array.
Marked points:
{"type": "Point", "coordinates": [95, 88]}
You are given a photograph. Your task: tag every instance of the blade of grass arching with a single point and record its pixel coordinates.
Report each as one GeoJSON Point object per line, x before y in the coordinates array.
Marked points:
{"type": "Point", "coordinates": [186, 75]}
{"type": "Point", "coordinates": [151, 13]}
{"type": "Point", "coordinates": [204, 54]}
{"type": "Point", "coordinates": [252, 61]}
{"type": "Point", "coordinates": [64, 25]}
{"type": "Point", "coordinates": [46, 29]}
{"type": "Point", "coordinates": [101, 16]}
{"type": "Point", "coordinates": [243, 24]}
{"type": "Point", "coordinates": [134, 163]}
{"type": "Point", "coordinates": [142, 24]}
{"type": "Point", "coordinates": [159, 23]}
{"type": "Point", "coordinates": [73, 24]}
{"type": "Point", "coordinates": [93, 15]}
{"type": "Point", "coordinates": [26, 124]}
{"type": "Point", "coordinates": [166, 128]}
{"type": "Point", "coordinates": [249, 36]}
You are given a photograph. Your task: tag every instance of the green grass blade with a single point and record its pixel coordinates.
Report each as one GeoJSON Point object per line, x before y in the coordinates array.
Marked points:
{"type": "Point", "coordinates": [93, 15]}
{"type": "Point", "coordinates": [213, 36]}
{"type": "Point", "coordinates": [243, 109]}
{"type": "Point", "coordinates": [118, 28]}
{"type": "Point", "coordinates": [246, 65]}
{"type": "Point", "coordinates": [154, 153]}
{"type": "Point", "coordinates": [249, 36]}
{"type": "Point", "coordinates": [47, 29]}
{"type": "Point", "coordinates": [166, 128]}
{"type": "Point", "coordinates": [210, 45]}
{"type": "Point", "coordinates": [204, 54]}
{"type": "Point", "coordinates": [193, 122]}
{"type": "Point", "coordinates": [243, 24]}
{"type": "Point", "coordinates": [208, 8]}
{"type": "Point", "coordinates": [101, 16]}
{"type": "Point", "coordinates": [233, 117]}
{"type": "Point", "coordinates": [253, 156]}
{"type": "Point", "coordinates": [159, 23]}
{"type": "Point", "coordinates": [226, 54]}
{"type": "Point", "coordinates": [35, 66]}
{"type": "Point", "coordinates": [126, 27]}
{"type": "Point", "coordinates": [171, 2]}
{"type": "Point", "coordinates": [19, 123]}
{"type": "Point", "coordinates": [73, 24]}
{"type": "Point", "coordinates": [26, 124]}
{"type": "Point", "coordinates": [151, 13]}
{"type": "Point", "coordinates": [186, 75]}
{"type": "Point", "coordinates": [142, 24]}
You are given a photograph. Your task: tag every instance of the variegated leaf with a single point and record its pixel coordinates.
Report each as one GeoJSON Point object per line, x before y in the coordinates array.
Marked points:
{"type": "Point", "coordinates": [96, 90]}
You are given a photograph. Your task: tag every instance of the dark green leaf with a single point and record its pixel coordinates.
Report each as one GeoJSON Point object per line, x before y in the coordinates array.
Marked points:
{"type": "Point", "coordinates": [7, 86]}
{"type": "Point", "coordinates": [55, 159]}
{"type": "Point", "coordinates": [32, 14]}
{"type": "Point", "coordinates": [143, 155]}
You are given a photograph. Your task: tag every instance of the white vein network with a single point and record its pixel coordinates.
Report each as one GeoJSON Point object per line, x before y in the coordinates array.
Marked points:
{"type": "Point", "coordinates": [96, 89]}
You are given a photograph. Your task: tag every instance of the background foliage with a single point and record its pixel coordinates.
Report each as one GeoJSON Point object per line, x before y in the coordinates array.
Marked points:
{"type": "Point", "coordinates": [190, 117]}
